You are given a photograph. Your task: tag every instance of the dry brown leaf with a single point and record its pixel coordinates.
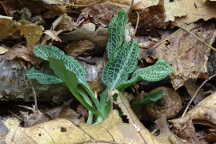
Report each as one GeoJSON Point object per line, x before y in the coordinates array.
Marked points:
{"type": "Point", "coordinates": [76, 48]}
{"type": "Point", "coordinates": [23, 53]}
{"type": "Point", "coordinates": [62, 131]}
{"type": "Point", "coordinates": [64, 23]}
{"type": "Point", "coordinates": [195, 10]}
{"type": "Point", "coordinates": [138, 4]}
{"type": "Point", "coordinates": [186, 53]}
{"type": "Point", "coordinates": [192, 87]}
{"type": "Point", "coordinates": [165, 133]}
{"type": "Point", "coordinates": [100, 13]}
{"type": "Point", "coordinates": [98, 37]}
{"type": "Point", "coordinates": [203, 113]}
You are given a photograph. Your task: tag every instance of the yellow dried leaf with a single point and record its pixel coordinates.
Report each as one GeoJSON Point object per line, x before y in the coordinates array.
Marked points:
{"type": "Point", "coordinates": [62, 131]}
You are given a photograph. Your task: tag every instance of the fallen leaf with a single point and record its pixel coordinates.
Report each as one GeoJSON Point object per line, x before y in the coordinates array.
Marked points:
{"type": "Point", "coordinates": [64, 23]}
{"type": "Point", "coordinates": [23, 53]}
{"type": "Point", "coordinates": [211, 136]}
{"type": "Point", "coordinates": [134, 121]}
{"type": "Point", "coordinates": [8, 27]}
{"type": "Point", "coordinates": [98, 37]}
{"type": "Point", "coordinates": [174, 9]}
{"type": "Point", "coordinates": [195, 10]}
{"type": "Point", "coordinates": [187, 54]}
{"type": "Point", "coordinates": [53, 35]}
{"type": "Point", "coordinates": [62, 131]}
{"type": "Point", "coordinates": [191, 87]}
{"type": "Point", "coordinates": [31, 32]}
{"type": "Point", "coordinates": [3, 50]}
{"type": "Point", "coordinates": [138, 4]}
{"type": "Point", "coordinates": [203, 114]}
{"type": "Point", "coordinates": [166, 136]}
{"type": "Point", "coordinates": [76, 48]}
{"type": "Point", "coordinates": [100, 13]}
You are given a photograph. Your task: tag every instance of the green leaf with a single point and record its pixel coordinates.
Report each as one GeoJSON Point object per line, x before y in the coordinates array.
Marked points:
{"type": "Point", "coordinates": [118, 69]}
{"type": "Point", "coordinates": [42, 78]}
{"type": "Point", "coordinates": [71, 81]}
{"type": "Point", "coordinates": [160, 70]}
{"type": "Point", "coordinates": [105, 104]}
{"type": "Point", "coordinates": [150, 97]}
{"type": "Point", "coordinates": [46, 51]}
{"type": "Point", "coordinates": [116, 33]}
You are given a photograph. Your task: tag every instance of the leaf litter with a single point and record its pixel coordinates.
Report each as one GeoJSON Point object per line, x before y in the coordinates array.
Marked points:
{"type": "Point", "coordinates": [80, 29]}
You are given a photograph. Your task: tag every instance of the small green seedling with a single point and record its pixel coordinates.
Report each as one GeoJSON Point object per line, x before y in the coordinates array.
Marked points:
{"type": "Point", "coordinates": [122, 62]}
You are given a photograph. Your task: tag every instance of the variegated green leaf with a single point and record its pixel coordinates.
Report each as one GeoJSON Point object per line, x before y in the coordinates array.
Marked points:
{"type": "Point", "coordinates": [42, 78]}
{"type": "Point", "coordinates": [46, 51]}
{"type": "Point", "coordinates": [116, 33]}
{"type": "Point", "coordinates": [160, 70]}
{"type": "Point", "coordinates": [118, 69]}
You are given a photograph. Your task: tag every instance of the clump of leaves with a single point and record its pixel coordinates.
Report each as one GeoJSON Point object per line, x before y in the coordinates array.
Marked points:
{"type": "Point", "coordinates": [123, 58]}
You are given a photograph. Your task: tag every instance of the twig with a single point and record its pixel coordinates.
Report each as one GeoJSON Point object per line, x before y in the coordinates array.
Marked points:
{"type": "Point", "coordinates": [35, 107]}
{"type": "Point", "coordinates": [86, 5]}
{"type": "Point", "coordinates": [197, 37]}
{"type": "Point", "coordinates": [137, 23]}
{"type": "Point", "coordinates": [131, 6]}
{"type": "Point", "coordinates": [195, 94]}
{"type": "Point", "coordinates": [98, 141]}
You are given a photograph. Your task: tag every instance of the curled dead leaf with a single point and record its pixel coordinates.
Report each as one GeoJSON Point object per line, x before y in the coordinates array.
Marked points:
{"type": "Point", "coordinates": [3, 50]}
{"type": "Point", "coordinates": [23, 53]}
{"type": "Point", "coordinates": [203, 113]}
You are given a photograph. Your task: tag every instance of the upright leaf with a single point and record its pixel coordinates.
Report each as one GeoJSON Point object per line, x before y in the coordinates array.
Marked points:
{"type": "Point", "coordinates": [118, 69]}
{"type": "Point", "coordinates": [156, 72]}
{"type": "Point", "coordinates": [71, 80]}
{"type": "Point", "coordinates": [116, 33]}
